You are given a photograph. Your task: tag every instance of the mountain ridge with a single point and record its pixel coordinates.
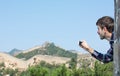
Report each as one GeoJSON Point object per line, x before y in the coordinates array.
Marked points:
{"type": "Point", "coordinates": [16, 51]}
{"type": "Point", "coordinates": [21, 64]}
{"type": "Point", "coordinates": [46, 49]}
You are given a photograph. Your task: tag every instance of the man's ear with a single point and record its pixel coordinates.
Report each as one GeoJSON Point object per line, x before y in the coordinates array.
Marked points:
{"type": "Point", "coordinates": [105, 29]}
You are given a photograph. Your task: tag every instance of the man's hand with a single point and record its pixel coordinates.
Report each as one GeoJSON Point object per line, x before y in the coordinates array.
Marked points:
{"type": "Point", "coordinates": [83, 44]}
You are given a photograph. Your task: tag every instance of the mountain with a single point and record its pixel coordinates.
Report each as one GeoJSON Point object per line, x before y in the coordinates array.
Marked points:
{"type": "Point", "coordinates": [12, 62]}
{"type": "Point", "coordinates": [20, 64]}
{"type": "Point", "coordinates": [48, 52]}
{"type": "Point", "coordinates": [14, 51]}
{"type": "Point", "coordinates": [46, 49]}
{"type": "Point", "coordinates": [42, 47]}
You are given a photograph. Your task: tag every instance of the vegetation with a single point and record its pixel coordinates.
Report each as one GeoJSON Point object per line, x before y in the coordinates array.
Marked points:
{"type": "Point", "coordinates": [5, 71]}
{"type": "Point", "coordinates": [45, 69]}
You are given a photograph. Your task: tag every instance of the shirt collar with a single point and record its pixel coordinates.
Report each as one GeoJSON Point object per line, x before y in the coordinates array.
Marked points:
{"type": "Point", "coordinates": [112, 38]}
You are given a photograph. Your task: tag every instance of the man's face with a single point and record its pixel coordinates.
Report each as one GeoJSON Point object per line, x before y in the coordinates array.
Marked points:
{"type": "Point", "coordinates": [101, 33]}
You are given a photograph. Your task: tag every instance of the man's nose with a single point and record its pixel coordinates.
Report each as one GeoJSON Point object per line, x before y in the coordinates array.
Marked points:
{"type": "Point", "coordinates": [98, 32]}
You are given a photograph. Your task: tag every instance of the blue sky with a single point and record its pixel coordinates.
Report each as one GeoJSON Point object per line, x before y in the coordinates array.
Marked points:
{"type": "Point", "coordinates": [28, 23]}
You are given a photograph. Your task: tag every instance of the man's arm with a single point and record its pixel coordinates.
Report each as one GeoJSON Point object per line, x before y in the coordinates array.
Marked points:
{"type": "Point", "coordinates": [105, 58]}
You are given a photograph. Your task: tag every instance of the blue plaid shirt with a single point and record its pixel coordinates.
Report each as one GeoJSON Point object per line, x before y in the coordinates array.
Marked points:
{"type": "Point", "coordinates": [108, 57]}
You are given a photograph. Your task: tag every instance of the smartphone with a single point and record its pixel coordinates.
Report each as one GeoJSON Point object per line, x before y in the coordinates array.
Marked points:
{"type": "Point", "coordinates": [80, 42]}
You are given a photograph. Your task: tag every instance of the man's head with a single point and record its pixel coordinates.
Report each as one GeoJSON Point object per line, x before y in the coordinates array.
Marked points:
{"type": "Point", "coordinates": [105, 26]}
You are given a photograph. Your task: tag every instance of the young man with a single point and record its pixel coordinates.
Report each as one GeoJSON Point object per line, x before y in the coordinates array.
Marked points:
{"type": "Point", "coordinates": [105, 27]}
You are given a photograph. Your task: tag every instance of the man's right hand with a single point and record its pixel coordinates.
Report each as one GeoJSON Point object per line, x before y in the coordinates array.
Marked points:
{"type": "Point", "coordinates": [83, 44]}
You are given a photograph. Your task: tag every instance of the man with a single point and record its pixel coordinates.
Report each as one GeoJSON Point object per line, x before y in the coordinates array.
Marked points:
{"type": "Point", "coordinates": [105, 27]}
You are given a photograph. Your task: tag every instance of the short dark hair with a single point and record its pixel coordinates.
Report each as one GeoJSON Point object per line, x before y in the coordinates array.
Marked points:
{"type": "Point", "coordinates": [106, 21]}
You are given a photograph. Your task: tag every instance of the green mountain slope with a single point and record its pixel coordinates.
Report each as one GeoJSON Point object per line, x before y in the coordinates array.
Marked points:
{"type": "Point", "coordinates": [48, 49]}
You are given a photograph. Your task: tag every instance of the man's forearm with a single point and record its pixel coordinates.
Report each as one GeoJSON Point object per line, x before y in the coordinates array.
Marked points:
{"type": "Point", "coordinates": [90, 50]}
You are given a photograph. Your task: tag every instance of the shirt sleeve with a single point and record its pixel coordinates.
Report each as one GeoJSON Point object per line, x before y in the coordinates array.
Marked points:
{"type": "Point", "coordinates": [105, 58]}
